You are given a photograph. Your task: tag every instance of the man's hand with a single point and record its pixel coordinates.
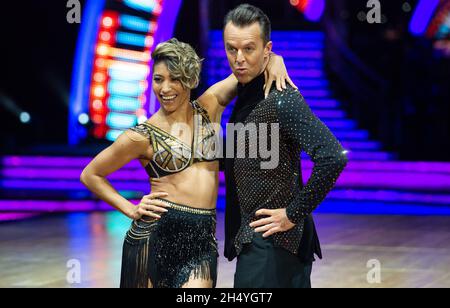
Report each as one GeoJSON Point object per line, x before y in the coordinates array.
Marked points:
{"type": "Point", "coordinates": [276, 71]}
{"type": "Point", "coordinates": [276, 222]}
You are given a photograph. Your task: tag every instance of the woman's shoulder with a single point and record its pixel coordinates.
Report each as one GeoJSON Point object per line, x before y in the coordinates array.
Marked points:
{"type": "Point", "coordinates": [202, 109]}
{"type": "Point", "coordinates": [154, 121]}
{"type": "Point", "coordinates": [199, 104]}
{"type": "Point", "coordinates": [206, 104]}
{"type": "Point", "coordinates": [145, 128]}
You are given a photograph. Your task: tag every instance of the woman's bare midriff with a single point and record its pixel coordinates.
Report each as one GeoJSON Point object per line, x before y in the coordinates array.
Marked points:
{"type": "Point", "coordinates": [197, 186]}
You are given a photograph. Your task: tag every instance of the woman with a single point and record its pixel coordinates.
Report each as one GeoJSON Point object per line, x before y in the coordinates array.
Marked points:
{"type": "Point", "coordinates": [172, 241]}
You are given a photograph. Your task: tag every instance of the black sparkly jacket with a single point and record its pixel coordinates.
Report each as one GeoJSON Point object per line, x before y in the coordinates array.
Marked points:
{"type": "Point", "coordinates": [251, 187]}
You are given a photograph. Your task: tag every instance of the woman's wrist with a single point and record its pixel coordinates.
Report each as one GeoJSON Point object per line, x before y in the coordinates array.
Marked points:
{"type": "Point", "coordinates": [272, 56]}
{"type": "Point", "coordinates": [129, 210]}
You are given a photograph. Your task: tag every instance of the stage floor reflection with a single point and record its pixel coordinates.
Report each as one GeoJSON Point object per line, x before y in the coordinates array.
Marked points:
{"type": "Point", "coordinates": [413, 251]}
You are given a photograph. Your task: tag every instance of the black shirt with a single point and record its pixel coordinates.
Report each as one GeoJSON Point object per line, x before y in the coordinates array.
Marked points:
{"type": "Point", "coordinates": [251, 187]}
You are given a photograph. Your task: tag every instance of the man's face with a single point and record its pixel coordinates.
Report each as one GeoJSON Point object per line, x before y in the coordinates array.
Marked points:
{"type": "Point", "coordinates": [246, 52]}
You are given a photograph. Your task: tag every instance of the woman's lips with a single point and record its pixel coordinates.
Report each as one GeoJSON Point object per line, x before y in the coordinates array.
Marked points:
{"type": "Point", "coordinates": [168, 98]}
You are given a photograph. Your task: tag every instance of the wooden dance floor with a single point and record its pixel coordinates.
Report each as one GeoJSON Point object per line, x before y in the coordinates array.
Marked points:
{"type": "Point", "coordinates": [412, 251]}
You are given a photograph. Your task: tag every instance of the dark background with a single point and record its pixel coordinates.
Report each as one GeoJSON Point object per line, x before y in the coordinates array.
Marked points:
{"type": "Point", "coordinates": [407, 108]}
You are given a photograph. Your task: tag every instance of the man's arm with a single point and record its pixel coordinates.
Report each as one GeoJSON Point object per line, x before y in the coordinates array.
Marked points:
{"type": "Point", "coordinates": [300, 126]}
{"type": "Point", "coordinates": [303, 128]}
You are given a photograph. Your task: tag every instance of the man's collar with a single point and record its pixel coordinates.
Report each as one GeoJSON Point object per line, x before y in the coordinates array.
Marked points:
{"type": "Point", "coordinates": [253, 89]}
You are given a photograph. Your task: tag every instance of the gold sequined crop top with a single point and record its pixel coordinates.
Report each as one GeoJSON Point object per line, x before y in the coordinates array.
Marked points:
{"type": "Point", "coordinates": [171, 155]}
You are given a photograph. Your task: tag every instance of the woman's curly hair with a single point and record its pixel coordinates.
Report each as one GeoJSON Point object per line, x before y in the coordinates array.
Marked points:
{"type": "Point", "coordinates": [182, 62]}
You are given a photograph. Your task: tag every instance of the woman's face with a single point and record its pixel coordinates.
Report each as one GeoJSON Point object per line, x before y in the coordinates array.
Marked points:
{"type": "Point", "coordinates": [170, 93]}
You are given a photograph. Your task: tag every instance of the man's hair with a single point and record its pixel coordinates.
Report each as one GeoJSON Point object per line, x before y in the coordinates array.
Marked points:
{"type": "Point", "coordinates": [182, 62]}
{"type": "Point", "coordinates": [246, 15]}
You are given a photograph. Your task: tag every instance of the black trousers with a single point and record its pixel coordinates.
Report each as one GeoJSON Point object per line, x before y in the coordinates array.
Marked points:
{"type": "Point", "coordinates": [262, 265]}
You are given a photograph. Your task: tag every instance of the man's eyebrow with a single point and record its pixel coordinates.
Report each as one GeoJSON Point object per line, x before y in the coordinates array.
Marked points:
{"type": "Point", "coordinates": [245, 45]}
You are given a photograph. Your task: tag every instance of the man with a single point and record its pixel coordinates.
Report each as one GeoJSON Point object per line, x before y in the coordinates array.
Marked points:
{"type": "Point", "coordinates": [268, 223]}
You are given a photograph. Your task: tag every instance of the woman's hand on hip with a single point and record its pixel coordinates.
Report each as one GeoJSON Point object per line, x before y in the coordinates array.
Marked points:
{"type": "Point", "coordinates": [150, 206]}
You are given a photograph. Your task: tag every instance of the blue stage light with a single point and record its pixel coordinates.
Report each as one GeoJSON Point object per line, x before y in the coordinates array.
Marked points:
{"type": "Point", "coordinates": [25, 117]}
{"type": "Point", "coordinates": [121, 103]}
{"type": "Point", "coordinates": [135, 23]}
{"type": "Point", "coordinates": [422, 16]}
{"type": "Point", "coordinates": [131, 39]}
{"type": "Point", "coordinates": [143, 5]}
{"type": "Point", "coordinates": [121, 120]}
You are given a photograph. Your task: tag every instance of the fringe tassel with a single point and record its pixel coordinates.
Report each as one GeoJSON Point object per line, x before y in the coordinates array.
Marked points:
{"type": "Point", "coordinates": [205, 270]}
{"type": "Point", "coordinates": [134, 272]}
{"type": "Point", "coordinates": [167, 253]}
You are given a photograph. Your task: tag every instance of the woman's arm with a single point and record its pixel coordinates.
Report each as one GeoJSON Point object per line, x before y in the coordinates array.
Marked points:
{"type": "Point", "coordinates": [276, 71]}
{"type": "Point", "coordinates": [218, 96]}
{"type": "Point", "coordinates": [127, 147]}
{"type": "Point", "coordinates": [223, 91]}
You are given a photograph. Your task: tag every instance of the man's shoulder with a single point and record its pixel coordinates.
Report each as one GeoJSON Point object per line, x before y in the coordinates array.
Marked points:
{"type": "Point", "coordinates": [287, 99]}
{"type": "Point", "coordinates": [290, 93]}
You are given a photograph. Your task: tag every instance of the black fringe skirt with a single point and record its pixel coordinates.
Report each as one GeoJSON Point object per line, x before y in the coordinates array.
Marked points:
{"type": "Point", "coordinates": [166, 253]}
